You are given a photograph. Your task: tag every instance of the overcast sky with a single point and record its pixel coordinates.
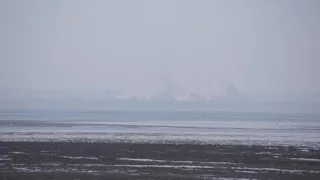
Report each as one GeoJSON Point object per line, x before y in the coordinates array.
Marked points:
{"type": "Point", "coordinates": [179, 46]}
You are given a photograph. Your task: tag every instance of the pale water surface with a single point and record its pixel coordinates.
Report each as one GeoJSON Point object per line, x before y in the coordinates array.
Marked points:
{"type": "Point", "coordinates": [174, 125]}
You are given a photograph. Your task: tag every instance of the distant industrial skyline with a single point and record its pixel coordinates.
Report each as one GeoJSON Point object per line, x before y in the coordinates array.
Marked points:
{"type": "Point", "coordinates": [230, 93]}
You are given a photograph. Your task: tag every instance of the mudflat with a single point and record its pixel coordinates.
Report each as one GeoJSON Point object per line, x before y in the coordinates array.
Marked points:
{"type": "Point", "coordinates": [82, 160]}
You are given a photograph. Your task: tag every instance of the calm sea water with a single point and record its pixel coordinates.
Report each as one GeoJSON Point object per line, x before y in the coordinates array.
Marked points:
{"type": "Point", "coordinates": [203, 125]}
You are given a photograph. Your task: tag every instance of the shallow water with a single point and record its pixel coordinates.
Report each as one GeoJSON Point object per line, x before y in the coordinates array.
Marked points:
{"type": "Point", "coordinates": [162, 125]}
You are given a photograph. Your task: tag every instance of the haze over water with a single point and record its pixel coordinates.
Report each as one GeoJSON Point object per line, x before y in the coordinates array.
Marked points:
{"type": "Point", "coordinates": [268, 50]}
{"type": "Point", "coordinates": [233, 67]}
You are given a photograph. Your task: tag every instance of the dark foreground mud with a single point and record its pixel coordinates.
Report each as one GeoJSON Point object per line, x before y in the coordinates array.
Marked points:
{"type": "Point", "coordinates": [77, 161]}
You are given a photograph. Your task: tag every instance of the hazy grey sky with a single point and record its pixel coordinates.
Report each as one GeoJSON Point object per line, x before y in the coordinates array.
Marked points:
{"type": "Point", "coordinates": [139, 46]}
